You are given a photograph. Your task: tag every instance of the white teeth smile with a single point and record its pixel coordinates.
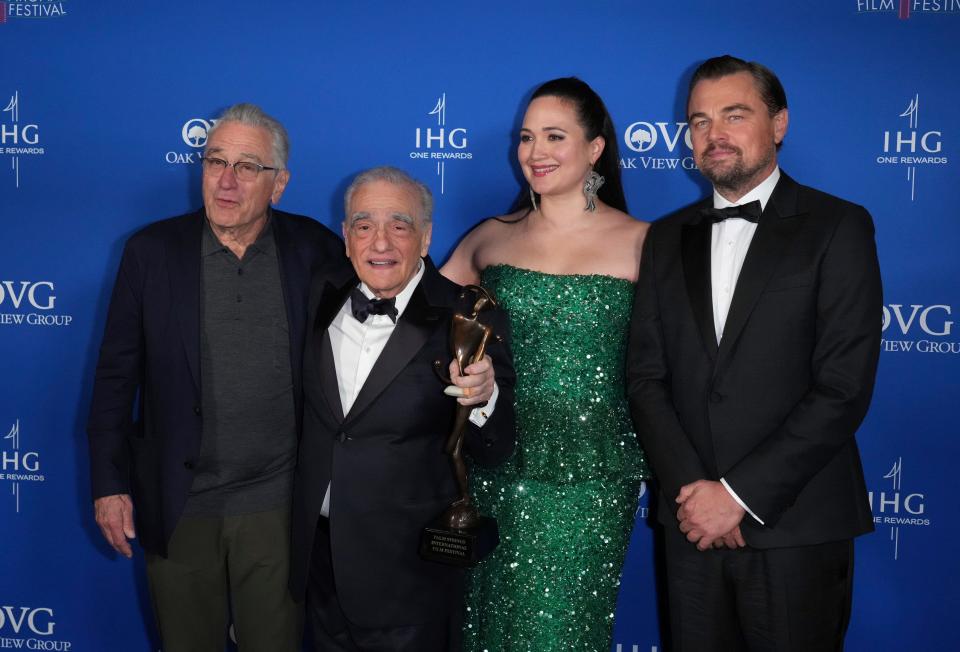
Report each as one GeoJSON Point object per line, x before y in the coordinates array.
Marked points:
{"type": "Point", "coordinates": [381, 262]}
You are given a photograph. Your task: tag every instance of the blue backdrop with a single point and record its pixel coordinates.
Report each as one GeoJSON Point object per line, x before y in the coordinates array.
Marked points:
{"type": "Point", "coordinates": [105, 107]}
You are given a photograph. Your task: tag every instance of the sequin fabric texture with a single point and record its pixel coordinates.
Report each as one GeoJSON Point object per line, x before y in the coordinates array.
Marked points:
{"type": "Point", "coordinates": [565, 502]}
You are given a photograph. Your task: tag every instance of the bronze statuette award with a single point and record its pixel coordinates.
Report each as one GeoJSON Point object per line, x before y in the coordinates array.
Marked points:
{"type": "Point", "coordinates": [460, 535]}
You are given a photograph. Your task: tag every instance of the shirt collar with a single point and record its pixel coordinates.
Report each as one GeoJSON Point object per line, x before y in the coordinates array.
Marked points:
{"type": "Point", "coordinates": [760, 193]}
{"type": "Point", "coordinates": [406, 293]}
{"type": "Point", "coordinates": [264, 242]}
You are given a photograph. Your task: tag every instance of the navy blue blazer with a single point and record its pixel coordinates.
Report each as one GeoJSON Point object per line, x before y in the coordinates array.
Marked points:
{"type": "Point", "coordinates": [144, 427]}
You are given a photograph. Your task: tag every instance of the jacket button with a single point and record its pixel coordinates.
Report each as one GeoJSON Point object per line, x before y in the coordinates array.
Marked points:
{"type": "Point", "coordinates": [715, 397]}
{"type": "Point", "coordinates": [342, 437]}
{"type": "Point", "coordinates": [188, 465]}
{"type": "Point", "coordinates": [196, 410]}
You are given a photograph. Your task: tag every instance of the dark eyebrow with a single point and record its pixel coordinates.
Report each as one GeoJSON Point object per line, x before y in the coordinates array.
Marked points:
{"type": "Point", "coordinates": [736, 107]}
{"type": "Point", "coordinates": [545, 129]}
{"type": "Point", "coordinates": [724, 110]}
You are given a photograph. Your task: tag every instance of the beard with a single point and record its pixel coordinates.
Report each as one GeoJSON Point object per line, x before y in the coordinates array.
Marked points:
{"type": "Point", "coordinates": [734, 177]}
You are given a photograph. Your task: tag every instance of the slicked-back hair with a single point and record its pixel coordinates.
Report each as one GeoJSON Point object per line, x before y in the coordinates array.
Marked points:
{"type": "Point", "coordinates": [394, 176]}
{"type": "Point", "coordinates": [252, 115]}
{"type": "Point", "coordinates": [594, 119]}
{"type": "Point", "coordinates": [768, 85]}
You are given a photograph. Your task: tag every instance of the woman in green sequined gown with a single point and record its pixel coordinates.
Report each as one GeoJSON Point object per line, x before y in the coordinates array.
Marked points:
{"type": "Point", "coordinates": [566, 501]}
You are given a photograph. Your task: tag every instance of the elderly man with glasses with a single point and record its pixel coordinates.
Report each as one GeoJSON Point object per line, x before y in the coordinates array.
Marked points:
{"type": "Point", "coordinates": [197, 399]}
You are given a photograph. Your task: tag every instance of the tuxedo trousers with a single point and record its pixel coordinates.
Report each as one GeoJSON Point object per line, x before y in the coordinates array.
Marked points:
{"type": "Point", "coordinates": [789, 599]}
{"type": "Point", "coordinates": [332, 631]}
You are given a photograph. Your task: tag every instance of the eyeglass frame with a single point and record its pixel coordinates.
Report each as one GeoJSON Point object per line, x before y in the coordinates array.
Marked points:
{"type": "Point", "coordinates": [221, 169]}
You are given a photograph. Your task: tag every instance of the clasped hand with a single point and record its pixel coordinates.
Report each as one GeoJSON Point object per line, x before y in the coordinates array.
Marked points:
{"type": "Point", "coordinates": [709, 515]}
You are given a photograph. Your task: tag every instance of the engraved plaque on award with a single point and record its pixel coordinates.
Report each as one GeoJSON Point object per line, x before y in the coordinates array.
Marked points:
{"type": "Point", "coordinates": [460, 535]}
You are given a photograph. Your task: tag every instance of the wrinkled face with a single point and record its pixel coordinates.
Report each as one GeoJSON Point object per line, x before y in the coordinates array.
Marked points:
{"type": "Point", "coordinates": [733, 134]}
{"type": "Point", "coordinates": [386, 235]}
{"type": "Point", "coordinates": [554, 152]}
{"type": "Point", "coordinates": [231, 203]}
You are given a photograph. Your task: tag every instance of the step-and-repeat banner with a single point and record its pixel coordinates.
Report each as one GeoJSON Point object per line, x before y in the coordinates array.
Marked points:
{"type": "Point", "coordinates": [105, 108]}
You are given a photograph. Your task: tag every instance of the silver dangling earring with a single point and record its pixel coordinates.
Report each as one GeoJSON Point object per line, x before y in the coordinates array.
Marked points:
{"type": "Point", "coordinates": [533, 199]}
{"type": "Point", "coordinates": [590, 188]}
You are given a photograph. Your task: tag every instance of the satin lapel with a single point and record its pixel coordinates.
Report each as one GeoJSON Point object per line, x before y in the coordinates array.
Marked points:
{"type": "Point", "coordinates": [184, 258]}
{"type": "Point", "coordinates": [327, 308]}
{"type": "Point", "coordinates": [416, 325]}
{"type": "Point", "coordinates": [778, 223]}
{"type": "Point", "coordinates": [328, 377]}
{"type": "Point", "coordinates": [695, 251]}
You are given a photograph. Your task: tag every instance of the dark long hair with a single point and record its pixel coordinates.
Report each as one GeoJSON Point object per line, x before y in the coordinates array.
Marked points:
{"type": "Point", "coordinates": [593, 117]}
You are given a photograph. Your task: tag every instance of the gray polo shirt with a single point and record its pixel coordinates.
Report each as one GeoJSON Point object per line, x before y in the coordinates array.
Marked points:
{"type": "Point", "coordinates": [249, 444]}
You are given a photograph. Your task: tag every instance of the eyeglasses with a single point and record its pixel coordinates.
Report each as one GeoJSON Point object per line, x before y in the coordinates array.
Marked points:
{"type": "Point", "coordinates": [245, 170]}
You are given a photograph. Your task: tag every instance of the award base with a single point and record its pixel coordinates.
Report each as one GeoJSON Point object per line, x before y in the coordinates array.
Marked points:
{"type": "Point", "coordinates": [456, 547]}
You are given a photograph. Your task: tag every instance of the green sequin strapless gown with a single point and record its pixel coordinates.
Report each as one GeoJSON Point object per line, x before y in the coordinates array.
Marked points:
{"type": "Point", "coordinates": [565, 502]}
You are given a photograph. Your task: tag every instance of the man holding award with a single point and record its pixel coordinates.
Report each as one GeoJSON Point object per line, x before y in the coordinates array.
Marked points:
{"type": "Point", "coordinates": [373, 467]}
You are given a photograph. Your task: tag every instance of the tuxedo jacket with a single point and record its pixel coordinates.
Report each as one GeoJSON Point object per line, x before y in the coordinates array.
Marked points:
{"type": "Point", "coordinates": [390, 474]}
{"type": "Point", "coordinates": [145, 418]}
{"type": "Point", "coordinates": [774, 407]}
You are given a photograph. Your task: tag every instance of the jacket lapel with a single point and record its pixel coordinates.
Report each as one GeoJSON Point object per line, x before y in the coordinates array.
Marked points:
{"type": "Point", "coordinates": [331, 300]}
{"type": "Point", "coordinates": [414, 328]}
{"type": "Point", "coordinates": [185, 262]}
{"type": "Point", "coordinates": [778, 223]}
{"type": "Point", "coordinates": [293, 281]}
{"type": "Point", "coordinates": [695, 252]}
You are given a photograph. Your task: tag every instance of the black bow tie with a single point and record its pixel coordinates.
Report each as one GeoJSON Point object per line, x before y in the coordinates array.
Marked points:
{"type": "Point", "coordinates": [363, 307]}
{"type": "Point", "coordinates": [749, 211]}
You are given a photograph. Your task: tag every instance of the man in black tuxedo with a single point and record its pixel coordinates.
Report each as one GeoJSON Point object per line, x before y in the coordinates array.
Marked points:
{"type": "Point", "coordinates": [753, 348]}
{"type": "Point", "coordinates": [197, 397]}
{"type": "Point", "coordinates": [372, 470]}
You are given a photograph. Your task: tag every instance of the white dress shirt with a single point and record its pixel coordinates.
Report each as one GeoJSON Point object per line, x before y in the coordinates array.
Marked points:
{"type": "Point", "coordinates": [357, 346]}
{"type": "Point", "coordinates": [729, 243]}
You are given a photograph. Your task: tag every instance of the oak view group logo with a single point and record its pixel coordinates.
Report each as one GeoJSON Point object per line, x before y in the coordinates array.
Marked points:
{"type": "Point", "coordinates": [918, 328]}
{"type": "Point", "coordinates": [659, 146]}
{"type": "Point", "coordinates": [193, 134]}
{"type": "Point", "coordinates": [30, 628]}
{"type": "Point", "coordinates": [33, 303]}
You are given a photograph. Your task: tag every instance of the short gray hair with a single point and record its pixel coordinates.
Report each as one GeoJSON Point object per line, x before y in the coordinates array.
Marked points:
{"type": "Point", "coordinates": [397, 177]}
{"type": "Point", "coordinates": [253, 116]}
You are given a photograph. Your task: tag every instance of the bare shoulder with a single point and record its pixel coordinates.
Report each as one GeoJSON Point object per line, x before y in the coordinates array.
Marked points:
{"type": "Point", "coordinates": [628, 226]}
{"type": "Point", "coordinates": [629, 234]}
{"type": "Point", "coordinates": [475, 250]}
